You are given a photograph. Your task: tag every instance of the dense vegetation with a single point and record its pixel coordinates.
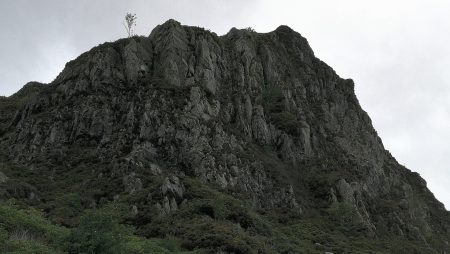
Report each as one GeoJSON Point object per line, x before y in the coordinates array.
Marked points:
{"type": "Point", "coordinates": [212, 220]}
{"type": "Point", "coordinates": [25, 230]}
{"type": "Point", "coordinates": [274, 105]}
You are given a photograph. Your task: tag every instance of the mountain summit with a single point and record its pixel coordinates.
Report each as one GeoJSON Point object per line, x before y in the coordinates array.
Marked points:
{"type": "Point", "coordinates": [189, 141]}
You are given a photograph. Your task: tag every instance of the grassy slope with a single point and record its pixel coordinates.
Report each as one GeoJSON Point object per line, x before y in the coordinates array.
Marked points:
{"type": "Point", "coordinates": [212, 220]}
{"type": "Point", "coordinates": [25, 230]}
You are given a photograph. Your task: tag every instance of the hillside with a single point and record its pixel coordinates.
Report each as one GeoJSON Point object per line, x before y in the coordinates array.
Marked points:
{"type": "Point", "coordinates": [185, 141]}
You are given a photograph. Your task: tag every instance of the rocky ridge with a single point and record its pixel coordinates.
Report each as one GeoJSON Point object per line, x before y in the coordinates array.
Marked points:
{"type": "Point", "coordinates": [258, 116]}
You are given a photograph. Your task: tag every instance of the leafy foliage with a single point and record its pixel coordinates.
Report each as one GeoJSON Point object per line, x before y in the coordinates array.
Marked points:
{"type": "Point", "coordinates": [274, 105]}
{"type": "Point", "coordinates": [26, 231]}
{"type": "Point", "coordinates": [99, 231]}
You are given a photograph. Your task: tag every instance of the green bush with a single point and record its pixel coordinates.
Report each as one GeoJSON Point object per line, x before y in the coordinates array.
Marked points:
{"type": "Point", "coordinates": [3, 236]}
{"type": "Point", "coordinates": [27, 231]}
{"type": "Point", "coordinates": [347, 218]}
{"type": "Point", "coordinates": [99, 232]}
{"type": "Point", "coordinates": [137, 245]}
{"type": "Point", "coordinates": [13, 218]}
{"type": "Point", "coordinates": [29, 247]}
{"type": "Point", "coordinates": [274, 106]}
{"type": "Point", "coordinates": [273, 99]}
{"type": "Point", "coordinates": [67, 209]}
{"type": "Point", "coordinates": [286, 121]}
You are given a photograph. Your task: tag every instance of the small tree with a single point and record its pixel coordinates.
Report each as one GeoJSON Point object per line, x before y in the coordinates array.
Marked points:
{"type": "Point", "coordinates": [130, 22]}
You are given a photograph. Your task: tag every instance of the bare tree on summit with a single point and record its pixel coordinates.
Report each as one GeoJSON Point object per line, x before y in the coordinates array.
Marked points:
{"type": "Point", "coordinates": [130, 21]}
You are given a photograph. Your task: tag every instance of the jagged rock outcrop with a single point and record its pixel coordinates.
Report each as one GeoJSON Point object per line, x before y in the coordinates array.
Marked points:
{"type": "Point", "coordinates": [256, 114]}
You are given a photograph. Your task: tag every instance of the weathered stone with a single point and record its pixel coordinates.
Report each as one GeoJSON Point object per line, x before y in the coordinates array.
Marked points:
{"type": "Point", "coordinates": [134, 210]}
{"type": "Point", "coordinates": [173, 186]}
{"type": "Point", "coordinates": [3, 177]}
{"type": "Point", "coordinates": [132, 183]}
{"type": "Point", "coordinates": [257, 114]}
{"type": "Point", "coordinates": [346, 192]}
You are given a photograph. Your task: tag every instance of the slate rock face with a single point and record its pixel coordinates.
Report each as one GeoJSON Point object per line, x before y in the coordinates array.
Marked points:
{"type": "Point", "coordinates": [257, 114]}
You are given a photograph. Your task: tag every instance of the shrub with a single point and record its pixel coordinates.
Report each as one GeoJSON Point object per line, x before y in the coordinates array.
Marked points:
{"type": "Point", "coordinates": [31, 221]}
{"type": "Point", "coordinates": [347, 217]}
{"type": "Point", "coordinates": [27, 231]}
{"type": "Point", "coordinates": [273, 99]}
{"type": "Point", "coordinates": [3, 236]}
{"type": "Point", "coordinates": [67, 209]}
{"type": "Point", "coordinates": [274, 106]}
{"type": "Point", "coordinates": [98, 232]}
{"type": "Point", "coordinates": [286, 121]}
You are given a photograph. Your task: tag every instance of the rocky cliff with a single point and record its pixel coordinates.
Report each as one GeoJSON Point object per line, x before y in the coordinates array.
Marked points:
{"type": "Point", "coordinates": [275, 136]}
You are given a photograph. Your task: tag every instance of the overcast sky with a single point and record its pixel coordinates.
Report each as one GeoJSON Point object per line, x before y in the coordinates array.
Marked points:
{"type": "Point", "coordinates": [397, 52]}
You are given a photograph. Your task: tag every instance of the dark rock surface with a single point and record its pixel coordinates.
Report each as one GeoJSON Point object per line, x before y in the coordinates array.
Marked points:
{"type": "Point", "coordinates": [257, 115]}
